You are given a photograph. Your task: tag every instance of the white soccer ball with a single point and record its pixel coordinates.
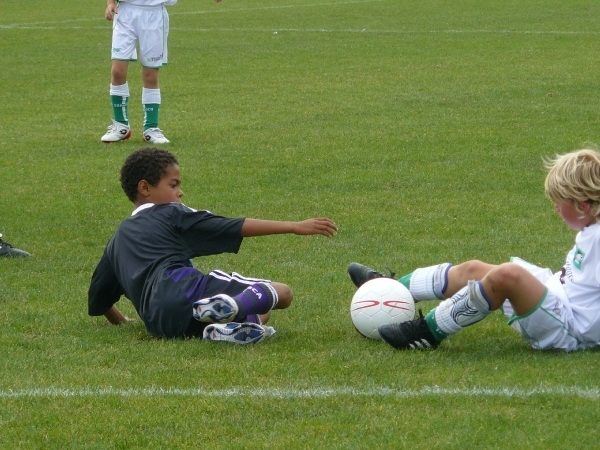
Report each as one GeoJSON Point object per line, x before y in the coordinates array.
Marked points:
{"type": "Point", "coordinates": [379, 301]}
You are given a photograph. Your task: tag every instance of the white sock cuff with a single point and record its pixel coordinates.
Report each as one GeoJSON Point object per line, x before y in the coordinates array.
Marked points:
{"type": "Point", "coordinates": [440, 280]}
{"type": "Point", "coordinates": [121, 90]}
{"type": "Point", "coordinates": [420, 283]}
{"type": "Point", "coordinates": [477, 298]}
{"type": "Point", "coordinates": [428, 283]}
{"type": "Point", "coordinates": [273, 293]}
{"type": "Point", "coordinates": [150, 96]}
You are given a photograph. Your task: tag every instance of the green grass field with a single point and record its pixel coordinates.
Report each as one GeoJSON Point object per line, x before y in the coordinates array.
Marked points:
{"type": "Point", "coordinates": [418, 126]}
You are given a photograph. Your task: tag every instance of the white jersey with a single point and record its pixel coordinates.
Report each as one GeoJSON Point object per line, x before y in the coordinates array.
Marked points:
{"type": "Point", "coordinates": [568, 317]}
{"type": "Point", "coordinates": [579, 279]}
{"type": "Point", "coordinates": [149, 2]}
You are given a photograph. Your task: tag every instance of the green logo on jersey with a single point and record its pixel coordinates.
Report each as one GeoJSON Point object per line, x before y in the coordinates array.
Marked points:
{"type": "Point", "coordinates": [578, 258]}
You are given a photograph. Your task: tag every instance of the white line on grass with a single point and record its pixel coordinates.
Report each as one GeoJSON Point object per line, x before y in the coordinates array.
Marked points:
{"type": "Point", "coordinates": [172, 13]}
{"type": "Point", "coordinates": [262, 8]}
{"type": "Point", "coordinates": [41, 25]}
{"type": "Point", "coordinates": [290, 393]}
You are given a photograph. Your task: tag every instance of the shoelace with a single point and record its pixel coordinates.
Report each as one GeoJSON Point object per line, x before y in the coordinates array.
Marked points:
{"type": "Point", "coordinates": [392, 274]}
{"type": "Point", "coordinates": [418, 327]}
{"type": "Point", "coordinates": [113, 126]}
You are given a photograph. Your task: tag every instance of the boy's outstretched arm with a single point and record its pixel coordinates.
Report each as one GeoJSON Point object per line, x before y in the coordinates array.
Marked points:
{"type": "Point", "coordinates": [257, 227]}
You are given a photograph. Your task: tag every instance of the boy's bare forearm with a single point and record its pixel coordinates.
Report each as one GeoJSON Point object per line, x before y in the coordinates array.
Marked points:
{"type": "Point", "coordinates": [257, 227]}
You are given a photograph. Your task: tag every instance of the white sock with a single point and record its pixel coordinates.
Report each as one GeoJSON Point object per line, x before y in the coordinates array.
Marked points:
{"type": "Point", "coordinates": [121, 90]}
{"type": "Point", "coordinates": [429, 283]}
{"type": "Point", "coordinates": [466, 307]}
{"type": "Point", "coordinates": [150, 96]}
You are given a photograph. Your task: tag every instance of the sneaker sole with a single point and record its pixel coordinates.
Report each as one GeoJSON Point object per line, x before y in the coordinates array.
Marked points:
{"type": "Point", "coordinates": [127, 136]}
{"type": "Point", "coordinates": [15, 254]}
{"type": "Point", "coordinates": [155, 142]}
{"type": "Point", "coordinates": [241, 334]}
{"type": "Point", "coordinates": [215, 310]}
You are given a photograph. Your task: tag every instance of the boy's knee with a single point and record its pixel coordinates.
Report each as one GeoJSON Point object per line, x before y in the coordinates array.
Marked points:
{"type": "Point", "coordinates": [150, 77]}
{"type": "Point", "coordinates": [285, 295]}
{"type": "Point", "coordinates": [474, 269]}
{"type": "Point", "coordinates": [118, 74]}
{"type": "Point", "coordinates": [507, 274]}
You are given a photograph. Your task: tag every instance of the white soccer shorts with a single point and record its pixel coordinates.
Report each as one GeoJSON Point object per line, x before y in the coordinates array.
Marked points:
{"type": "Point", "coordinates": [549, 325]}
{"type": "Point", "coordinates": [143, 27]}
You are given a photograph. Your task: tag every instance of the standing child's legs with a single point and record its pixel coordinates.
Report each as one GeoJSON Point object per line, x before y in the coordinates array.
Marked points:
{"type": "Point", "coordinates": [148, 28]}
{"type": "Point", "coordinates": [154, 53]}
{"type": "Point", "coordinates": [119, 98]}
{"type": "Point", "coordinates": [123, 50]}
{"type": "Point", "coordinates": [119, 91]}
{"type": "Point", "coordinates": [151, 98]}
{"type": "Point", "coordinates": [151, 101]}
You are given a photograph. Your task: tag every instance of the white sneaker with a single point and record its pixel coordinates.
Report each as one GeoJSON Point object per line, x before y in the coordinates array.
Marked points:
{"type": "Point", "coordinates": [116, 132]}
{"type": "Point", "coordinates": [218, 309]}
{"type": "Point", "coordinates": [155, 136]}
{"type": "Point", "coordinates": [237, 333]}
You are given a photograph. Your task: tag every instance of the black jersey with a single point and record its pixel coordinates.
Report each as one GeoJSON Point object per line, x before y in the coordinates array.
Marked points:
{"type": "Point", "coordinates": [148, 261]}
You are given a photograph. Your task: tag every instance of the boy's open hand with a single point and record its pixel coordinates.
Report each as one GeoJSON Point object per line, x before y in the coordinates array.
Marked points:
{"type": "Point", "coordinates": [322, 225]}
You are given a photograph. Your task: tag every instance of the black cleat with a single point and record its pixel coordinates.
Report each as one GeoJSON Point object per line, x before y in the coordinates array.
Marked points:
{"type": "Point", "coordinates": [410, 335]}
{"type": "Point", "coordinates": [8, 250]}
{"type": "Point", "coordinates": [360, 274]}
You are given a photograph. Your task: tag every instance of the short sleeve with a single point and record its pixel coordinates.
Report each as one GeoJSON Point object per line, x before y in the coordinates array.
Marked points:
{"type": "Point", "coordinates": [209, 234]}
{"type": "Point", "coordinates": [104, 290]}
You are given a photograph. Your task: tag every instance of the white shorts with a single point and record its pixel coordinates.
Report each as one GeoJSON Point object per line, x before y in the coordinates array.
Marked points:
{"type": "Point", "coordinates": [143, 26]}
{"type": "Point", "coordinates": [550, 324]}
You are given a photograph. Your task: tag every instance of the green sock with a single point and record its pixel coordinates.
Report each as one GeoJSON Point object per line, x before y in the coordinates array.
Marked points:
{"type": "Point", "coordinates": [438, 334]}
{"type": "Point", "coordinates": [405, 280]}
{"type": "Point", "coordinates": [151, 115]}
{"type": "Point", "coordinates": [119, 106]}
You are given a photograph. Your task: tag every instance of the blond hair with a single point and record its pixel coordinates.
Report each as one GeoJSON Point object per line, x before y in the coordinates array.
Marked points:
{"type": "Point", "coordinates": [574, 178]}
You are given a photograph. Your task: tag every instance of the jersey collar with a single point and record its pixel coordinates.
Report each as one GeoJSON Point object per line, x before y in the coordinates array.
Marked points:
{"type": "Point", "coordinates": [141, 208]}
{"type": "Point", "coordinates": [150, 205]}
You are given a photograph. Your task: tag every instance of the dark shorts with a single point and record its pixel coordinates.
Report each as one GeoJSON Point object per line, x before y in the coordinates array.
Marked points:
{"type": "Point", "coordinates": [174, 293]}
